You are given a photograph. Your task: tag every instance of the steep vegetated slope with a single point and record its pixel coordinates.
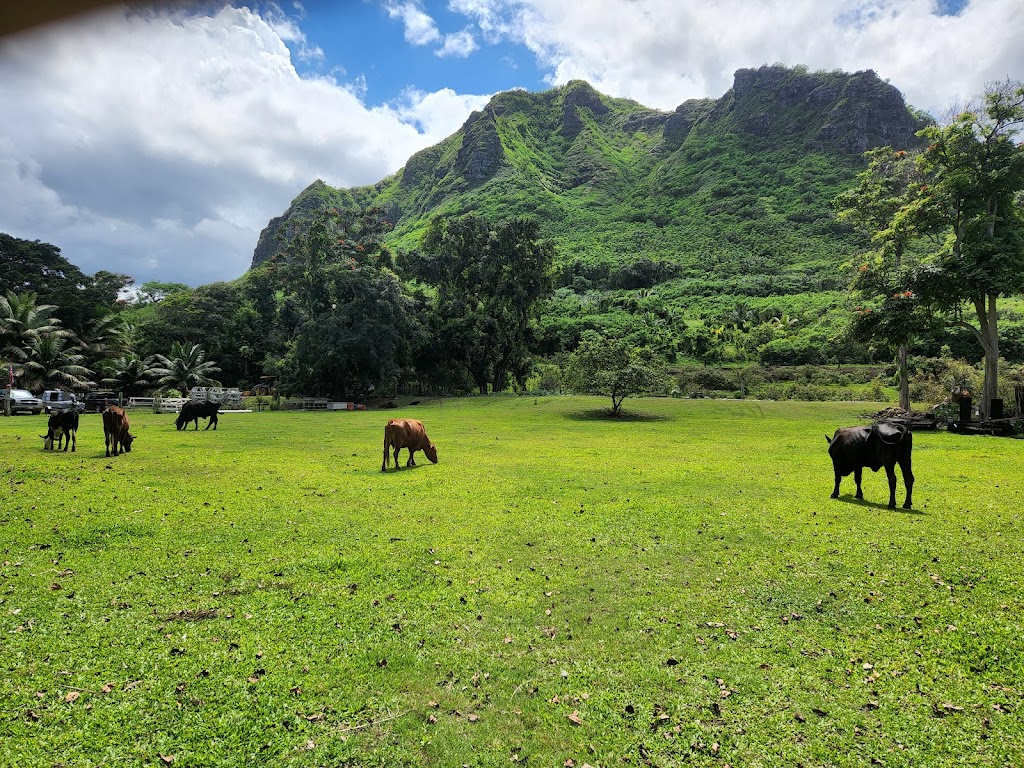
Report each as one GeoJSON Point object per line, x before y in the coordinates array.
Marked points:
{"type": "Point", "coordinates": [743, 183]}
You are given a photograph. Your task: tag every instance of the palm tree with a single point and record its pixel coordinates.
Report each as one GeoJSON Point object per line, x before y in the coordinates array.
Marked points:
{"type": "Point", "coordinates": [50, 360]}
{"type": "Point", "coordinates": [132, 375]}
{"type": "Point", "coordinates": [187, 367]}
{"type": "Point", "coordinates": [104, 339]}
{"type": "Point", "coordinates": [22, 320]}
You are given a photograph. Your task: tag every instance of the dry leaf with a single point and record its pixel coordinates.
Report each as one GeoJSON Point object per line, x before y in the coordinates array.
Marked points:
{"type": "Point", "coordinates": [167, 758]}
{"type": "Point", "coordinates": [472, 718]}
{"type": "Point", "coordinates": [72, 697]}
{"type": "Point", "coordinates": [575, 717]}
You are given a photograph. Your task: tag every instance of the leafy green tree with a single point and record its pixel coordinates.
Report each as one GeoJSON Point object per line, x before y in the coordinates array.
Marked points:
{"type": "Point", "coordinates": [490, 280]}
{"type": "Point", "coordinates": [616, 369]}
{"type": "Point", "coordinates": [885, 203]}
{"type": "Point", "coordinates": [154, 291]}
{"type": "Point", "coordinates": [973, 205]}
{"type": "Point", "coordinates": [37, 267]}
{"type": "Point", "coordinates": [358, 347]}
{"type": "Point", "coordinates": [185, 368]}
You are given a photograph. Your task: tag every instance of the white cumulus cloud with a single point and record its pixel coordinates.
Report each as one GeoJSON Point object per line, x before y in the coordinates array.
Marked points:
{"type": "Point", "coordinates": [662, 52]}
{"type": "Point", "coordinates": [160, 144]}
{"type": "Point", "coordinates": [420, 28]}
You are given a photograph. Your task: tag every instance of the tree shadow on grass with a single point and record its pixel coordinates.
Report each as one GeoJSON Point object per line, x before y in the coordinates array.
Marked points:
{"type": "Point", "coordinates": [605, 414]}
{"type": "Point", "coordinates": [847, 499]}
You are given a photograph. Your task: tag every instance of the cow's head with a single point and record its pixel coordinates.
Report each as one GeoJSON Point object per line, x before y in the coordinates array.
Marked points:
{"type": "Point", "coordinates": [126, 442]}
{"type": "Point", "coordinates": [431, 453]}
{"type": "Point", "coordinates": [52, 436]}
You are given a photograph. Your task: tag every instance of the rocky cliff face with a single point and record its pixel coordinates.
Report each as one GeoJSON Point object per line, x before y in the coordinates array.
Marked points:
{"type": "Point", "coordinates": [849, 113]}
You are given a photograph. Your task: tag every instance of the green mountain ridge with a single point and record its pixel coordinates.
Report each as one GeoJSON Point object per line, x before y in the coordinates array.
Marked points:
{"type": "Point", "coordinates": [718, 191]}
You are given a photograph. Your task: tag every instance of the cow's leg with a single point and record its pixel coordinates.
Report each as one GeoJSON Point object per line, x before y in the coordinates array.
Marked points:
{"type": "Point", "coordinates": [213, 422]}
{"type": "Point", "coordinates": [835, 491]}
{"type": "Point", "coordinates": [890, 473]}
{"type": "Point", "coordinates": [908, 481]}
{"type": "Point", "coordinates": [397, 451]}
{"type": "Point", "coordinates": [74, 440]}
{"type": "Point", "coordinates": [412, 458]}
{"type": "Point", "coordinates": [106, 443]}
{"type": "Point", "coordinates": [196, 422]}
{"type": "Point", "coordinates": [856, 476]}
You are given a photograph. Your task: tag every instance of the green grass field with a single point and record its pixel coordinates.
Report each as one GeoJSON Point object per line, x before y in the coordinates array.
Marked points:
{"type": "Point", "coordinates": [673, 588]}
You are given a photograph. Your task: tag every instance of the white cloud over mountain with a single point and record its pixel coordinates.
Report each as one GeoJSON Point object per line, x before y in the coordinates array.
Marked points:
{"type": "Point", "coordinates": [161, 145]}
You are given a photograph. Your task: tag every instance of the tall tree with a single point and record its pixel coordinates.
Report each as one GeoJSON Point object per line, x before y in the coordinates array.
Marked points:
{"type": "Point", "coordinates": [885, 204]}
{"type": "Point", "coordinates": [490, 280]}
{"type": "Point", "coordinates": [37, 267]}
{"type": "Point", "coordinates": [973, 203]}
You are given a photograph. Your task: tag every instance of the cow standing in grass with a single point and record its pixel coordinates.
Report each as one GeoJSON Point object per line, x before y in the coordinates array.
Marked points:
{"type": "Point", "coordinates": [194, 410]}
{"type": "Point", "coordinates": [407, 433]}
{"type": "Point", "coordinates": [874, 447]}
{"type": "Point", "coordinates": [62, 427]}
{"type": "Point", "coordinates": [116, 436]}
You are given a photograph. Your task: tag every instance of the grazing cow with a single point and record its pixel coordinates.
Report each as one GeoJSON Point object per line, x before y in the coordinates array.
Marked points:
{"type": "Point", "coordinates": [877, 446]}
{"type": "Point", "coordinates": [407, 433]}
{"type": "Point", "coordinates": [116, 436]}
{"type": "Point", "coordinates": [62, 427]}
{"type": "Point", "coordinates": [194, 410]}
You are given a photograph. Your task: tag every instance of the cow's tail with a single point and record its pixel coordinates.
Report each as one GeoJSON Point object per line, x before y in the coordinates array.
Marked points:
{"type": "Point", "coordinates": [387, 445]}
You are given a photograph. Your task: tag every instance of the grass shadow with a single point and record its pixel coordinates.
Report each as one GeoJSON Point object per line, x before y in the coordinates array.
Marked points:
{"type": "Point", "coordinates": [876, 505]}
{"type": "Point", "coordinates": [605, 414]}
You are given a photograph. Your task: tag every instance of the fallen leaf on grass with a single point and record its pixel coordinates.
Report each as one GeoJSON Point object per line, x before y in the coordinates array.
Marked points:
{"type": "Point", "coordinates": [575, 717]}
{"type": "Point", "coordinates": [72, 697]}
{"type": "Point", "coordinates": [472, 718]}
{"type": "Point", "coordinates": [167, 758]}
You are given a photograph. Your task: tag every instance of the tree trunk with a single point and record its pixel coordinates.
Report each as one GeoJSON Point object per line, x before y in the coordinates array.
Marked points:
{"type": "Point", "coordinates": [904, 377]}
{"type": "Point", "coordinates": [991, 345]}
{"type": "Point", "coordinates": [985, 307]}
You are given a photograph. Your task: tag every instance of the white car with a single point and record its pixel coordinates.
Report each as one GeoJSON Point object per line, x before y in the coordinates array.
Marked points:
{"type": "Point", "coordinates": [22, 401]}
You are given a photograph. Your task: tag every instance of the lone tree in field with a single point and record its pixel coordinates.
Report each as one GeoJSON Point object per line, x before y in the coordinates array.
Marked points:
{"type": "Point", "coordinates": [612, 367]}
{"type": "Point", "coordinates": [973, 204]}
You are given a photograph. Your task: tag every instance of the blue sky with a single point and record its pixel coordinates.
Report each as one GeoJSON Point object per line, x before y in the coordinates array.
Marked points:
{"type": "Point", "coordinates": [159, 144]}
{"type": "Point", "coordinates": [361, 39]}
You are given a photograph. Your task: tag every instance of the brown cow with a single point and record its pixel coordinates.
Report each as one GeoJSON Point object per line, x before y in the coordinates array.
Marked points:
{"type": "Point", "coordinates": [116, 436]}
{"type": "Point", "coordinates": [407, 433]}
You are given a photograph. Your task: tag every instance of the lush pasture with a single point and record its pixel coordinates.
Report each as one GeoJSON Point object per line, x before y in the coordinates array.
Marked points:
{"type": "Point", "coordinates": [675, 588]}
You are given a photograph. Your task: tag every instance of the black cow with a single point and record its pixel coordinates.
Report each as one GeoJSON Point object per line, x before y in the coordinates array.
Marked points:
{"type": "Point", "coordinates": [874, 447]}
{"type": "Point", "coordinates": [62, 427]}
{"type": "Point", "coordinates": [194, 410]}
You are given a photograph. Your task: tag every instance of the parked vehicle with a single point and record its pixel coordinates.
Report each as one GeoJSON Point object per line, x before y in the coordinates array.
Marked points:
{"type": "Point", "coordinates": [96, 402]}
{"type": "Point", "coordinates": [58, 400]}
{"type": "Point", "coordinates": [22, 401]}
